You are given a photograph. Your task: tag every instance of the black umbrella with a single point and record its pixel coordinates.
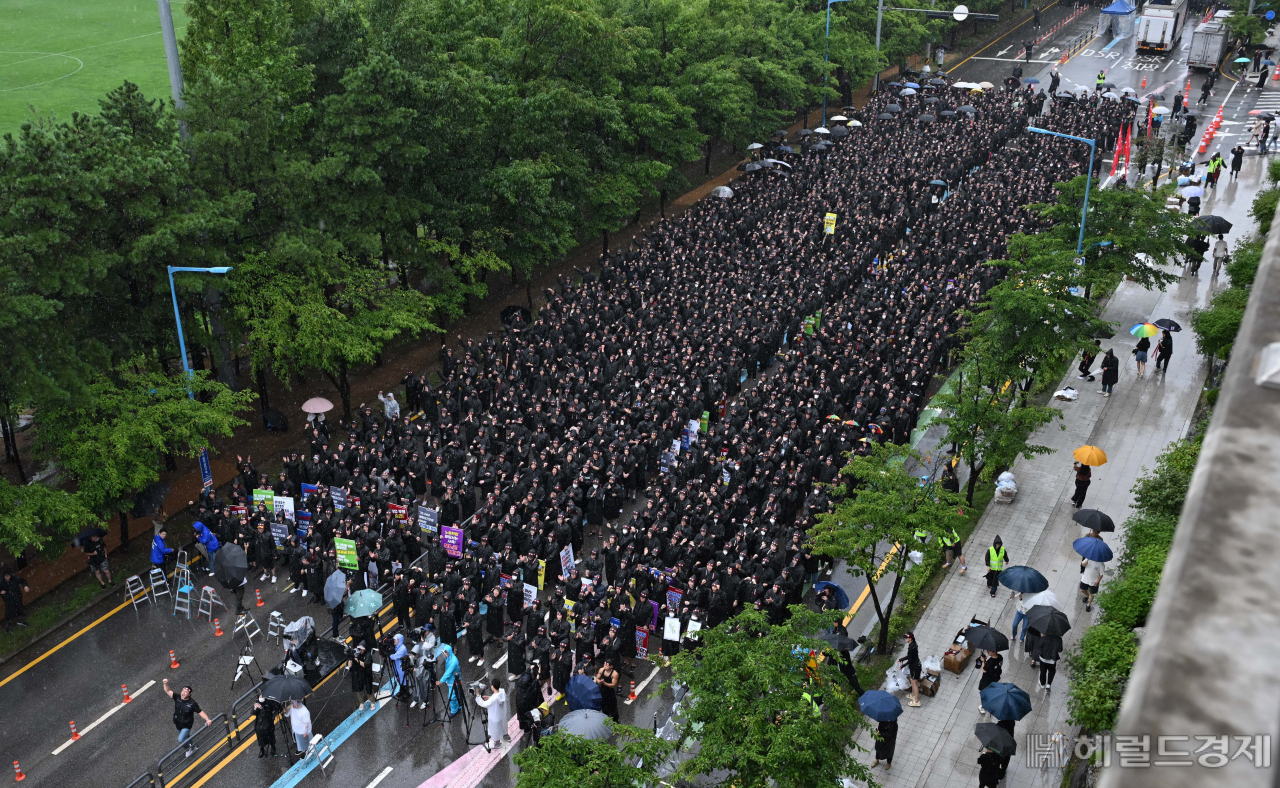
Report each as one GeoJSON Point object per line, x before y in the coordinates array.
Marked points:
{"type": "Point", "coordinates": [1265, 116]}
{"type": "Point", "coordinates": [849, 110]}
{"type": "Point", "coordinates": [892, 108]}
{"type": "Point", "coordinates": [516, 314]}
{"type": "Point", "coordinates": [895, 84]}
{"type": "Point", "coordinates": [884, 116]}
{"type": "Point", "coordinates": [230, 565]}
{"type": "Point", "coordinates": [840, 132]}
{"type": "Point", "coordinates": [283, 689]}
{"type": "Point", "coordinates": [987, 639]}
{"type": "Point", "coordinates": [1094, 520]}
{"type": "Point", "coordinates": [753, 166]}
{"type": "Point", "coordinates": [780, 133]}
{"type": "Point", "coordinates": [1211, 225]}
{"type": "Point", "coordinates": [86, 535]}
{"type": "Point", "coordinates": [805, 132]}
{"type": "Point", "coordinates": [1168, 325]}
{"type": "Point", "coordinates": [948, 113]}
{"type": "Point", "coordinates": [839, 642]}
{"type": "Point", "coordinates": [993, 737]}
{"type": "Point", "coordinates": [926, 119]}
{"type": "Point", "coordinates": [1048, 621]}
{"type": "Point", "coordinates": [968, 108]}
{"type": "Point", "coordinates": [938, 82]}
{"type": "Point", "coordinates": [1108, 86]}
{"type": "Point", "coordinates": [932, 100]}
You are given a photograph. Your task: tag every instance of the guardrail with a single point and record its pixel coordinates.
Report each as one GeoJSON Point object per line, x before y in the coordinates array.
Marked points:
{"type": "Point", "coordinates": [242, 703]}
{"type": "Point", "coordinates": [1053, 31]}
{"type": "Point", "coordinates": [146, 779]}
{"type": "Point", "coordinates": [210, 737]}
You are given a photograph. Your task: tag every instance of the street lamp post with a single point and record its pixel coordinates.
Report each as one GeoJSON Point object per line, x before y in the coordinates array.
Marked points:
{"type": "Point", "coordinates": [959, 14]}
{"type": "Point", "coordinates": [1084, 211]}
{"type": "Point", "coordinates": [206, 471]}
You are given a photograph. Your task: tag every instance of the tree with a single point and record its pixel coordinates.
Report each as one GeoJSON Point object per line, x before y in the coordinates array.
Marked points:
{"type": "Point", "coordinates": [987, 424]}
{"type": "Point", "coordinates": [749, 707]}
{"type": "Point", "coordinates": [1146, 240]}
{"type": "Point", "coordinates": [879, 521]}
{"type": "Point", "coordinates": [1216, 326]}
{"type": "Point", "coordinates": [565, 759]}
{"type": "Point", "coordinates": [38, 517]}
{"type": "Point", "coordinates": [1031, 318]}
{"type": "Point", "coordinates": [113, 443]}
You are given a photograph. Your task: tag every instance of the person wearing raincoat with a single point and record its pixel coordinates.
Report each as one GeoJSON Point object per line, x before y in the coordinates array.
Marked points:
{"type": "Point", "coordinates": [399, 656]}
{"type": "Point", "coordinates": [451, 672]}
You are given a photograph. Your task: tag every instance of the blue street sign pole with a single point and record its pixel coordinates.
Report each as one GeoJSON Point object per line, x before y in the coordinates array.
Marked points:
{"type": "Point", "coordinates": [206, 471]}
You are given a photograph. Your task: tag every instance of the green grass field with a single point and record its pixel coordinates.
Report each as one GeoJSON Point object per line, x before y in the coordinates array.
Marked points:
{"type": "Point", "coordinates": [61, 56]}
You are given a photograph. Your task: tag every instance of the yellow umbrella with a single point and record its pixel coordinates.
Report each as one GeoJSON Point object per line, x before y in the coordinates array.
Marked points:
{"type": "Point", "coordinates": [1090, 455]}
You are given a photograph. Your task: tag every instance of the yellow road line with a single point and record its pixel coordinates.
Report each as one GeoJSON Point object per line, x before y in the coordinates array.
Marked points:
{"type": "Point", "coordinates": [245, 745]}
{"type": "Point", "coordinates": [998, 40]}
{"type": "Point", "coordinates": [853, 611]}
{"type": "Point", "coordinates": [104, 617]}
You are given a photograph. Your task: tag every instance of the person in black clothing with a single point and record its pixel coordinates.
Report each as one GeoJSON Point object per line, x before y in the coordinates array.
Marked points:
{"type": "Point", "coordinates": [12, 587]}
{"type": "Point", "coordinates": [912, 663]}
{"type": "Point", "coordinates": [1165, 349]}
{"type": "Point", "coordinates": [1083, 475]}
{"type": "Point", "coordinates": [885, 745]}
{"type": "Point", "coordinates": [1086, 360]}
{"type": "Point", "coordinates": [1110, 373]}
{"type": "Point", "coordinates": [990, 769]}
{"type": "Point", "coordinates": [991, 664]}
{"type": "Point", "coordinates": [185, 710]}
{"type": "Point", "coordinates": [264, 725]}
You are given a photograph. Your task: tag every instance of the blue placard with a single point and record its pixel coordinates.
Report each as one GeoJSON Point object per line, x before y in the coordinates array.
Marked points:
{"type": "Point", "coordinates": [206, 472]}
{"type": "Point", "coordinates": [427, 520]}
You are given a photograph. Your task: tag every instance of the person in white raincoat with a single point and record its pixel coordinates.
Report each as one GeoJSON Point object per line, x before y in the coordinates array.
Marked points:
{"type": "Point", "coordinates": [499, 716]}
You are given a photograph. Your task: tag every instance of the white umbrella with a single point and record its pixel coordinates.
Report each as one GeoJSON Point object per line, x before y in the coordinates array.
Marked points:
{"type": "Point", "coordinates": [964, 85]}
{"type": "Point", "coordinates": [754, 146]}
{"type": "Point", "coordinates": [1129, 91]}
{"type": "Point", "coordinates": [587, 723]}
{"type": "Point", "coordinates": [840, 118]}
{"type": "Point", "coordinates": [723, 192]}
{"type": "Point", "coordinates": [1043, 598]}
{"type": "Point", "coordinates": [822, 130]}
{"type": "Point", "coordinates": [1193, 191]}
{"type": "Point", "coordinates": [907, 92]}
{"type": "Point", "coordinates": [1161, 111]}
{"type": "Point", "coordinates": [778, 162]}
{"type": "Point", "coordinates": [1110, 95]}
{"type": "Point", "coordinates": [855, 123]}
{"type": "Point", "coordinates": [317, 405]}
{"type": "Point", "coordinates": [986, 85]}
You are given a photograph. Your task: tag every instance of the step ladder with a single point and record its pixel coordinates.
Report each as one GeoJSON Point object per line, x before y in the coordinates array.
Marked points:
{"type": "Point", "coordinates": [275, 626]}
{"type": "Point", "coordinates": [159, 585]}
{"type": "Point", "coordinates": [208, 601]}
{"type": "Point", "coordinates": [133, 586]}
{"type": "Point", "coordinates": [246, 623]}
{"type": "Point", "coordinates": [182, 599]}
{"type": "Point", "coordinates": [321, 751]}
{"type": "Point", "coordinates": [184, 564]}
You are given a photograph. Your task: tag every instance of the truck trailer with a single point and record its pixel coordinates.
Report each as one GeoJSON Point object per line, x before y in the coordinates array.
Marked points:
{"type": "Point", "coordinates": [1209, 42]}
{"type": "Point", "coordinates": [1160, 26]}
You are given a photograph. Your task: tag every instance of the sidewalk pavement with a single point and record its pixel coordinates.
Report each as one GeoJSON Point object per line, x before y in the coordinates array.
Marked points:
{"type": "Point", "coordinates": [936, 745]}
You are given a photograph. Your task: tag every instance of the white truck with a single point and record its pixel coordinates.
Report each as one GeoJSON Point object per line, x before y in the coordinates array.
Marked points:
{"type": "Point", "coordinates": [1209, 42]}
{"type": "Point", "coordinates": [1160, 26]}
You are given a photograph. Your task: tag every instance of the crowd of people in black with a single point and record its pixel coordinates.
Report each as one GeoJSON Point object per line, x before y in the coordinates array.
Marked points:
{"type": "Point", "coordinates": [672, 418]}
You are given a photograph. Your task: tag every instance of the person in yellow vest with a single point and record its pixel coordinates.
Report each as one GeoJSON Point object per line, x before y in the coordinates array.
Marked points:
{"type": "Point", "coordinates": [955, 549]}
{"type": "Point", "coordinates": [997, 560]}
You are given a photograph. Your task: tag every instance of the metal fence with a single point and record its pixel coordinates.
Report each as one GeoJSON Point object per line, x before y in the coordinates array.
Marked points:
{"type": "Point", "coordinates": [145, 780]}
{"type": "Point", "coordinates": [203, 743]}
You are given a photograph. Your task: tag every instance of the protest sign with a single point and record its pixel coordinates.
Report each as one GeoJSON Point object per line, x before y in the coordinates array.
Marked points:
{"type": "Point", "coordinates": [566, 560]}
{"type": "Point", "coordinates": [530, 594]}
{"type": "Point", "coordinates": [339, 496]}
{"type": "Point", "coordinates": [671, 628]}
{"type": "Point", "coordinates": [264, 497]}
{"type": "Point", "coordinates": [346, 549]}
{"type": "Point", "coordinates": [452, 539]}
{"type": "Point", "coordinates": [280, 532]}
{"type": "Point", "coordinates": [283, 508]}
{"type": "Point", "coordinates": [427, 520]}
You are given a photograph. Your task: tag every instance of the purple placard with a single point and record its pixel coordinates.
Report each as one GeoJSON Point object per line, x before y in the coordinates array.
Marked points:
{"type": "Point", "coordinates": [452, 539]}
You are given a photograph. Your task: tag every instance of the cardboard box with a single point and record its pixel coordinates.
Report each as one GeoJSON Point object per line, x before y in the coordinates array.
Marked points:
{"type": "Point", "coordinates": [929, 684]}
{"type": "Point", "coordinates": [955, 660]}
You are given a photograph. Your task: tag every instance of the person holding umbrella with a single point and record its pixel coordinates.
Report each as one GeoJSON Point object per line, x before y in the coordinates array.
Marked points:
{"type": "Point", "coordinates": [885, 710]}
{"type": "Point", "coordinates": [1083, 476]}
{"type": "Point", "coordinates": [997, 557]}
{"type": "Point", "coordinates": [992, 666]}
{"type": "Point", "coordinates": [1165, 349]}
{"type": "Point", "coordinates": [1094, 553]}
{"type": "Point", "coordinates": [1047, 653]}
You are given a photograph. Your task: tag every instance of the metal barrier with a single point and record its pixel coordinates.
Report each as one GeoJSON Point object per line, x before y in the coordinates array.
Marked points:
{"type": "Point", "coordinates": [146, 779]}
{"type": "Point", "coordinates": [209, 737]}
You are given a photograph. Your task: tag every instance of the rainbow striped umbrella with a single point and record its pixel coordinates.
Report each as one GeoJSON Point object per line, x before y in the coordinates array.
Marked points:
{"type": "Point", "coordinates": [1144, 330]}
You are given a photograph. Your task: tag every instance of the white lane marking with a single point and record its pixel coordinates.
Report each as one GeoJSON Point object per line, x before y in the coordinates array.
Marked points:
{"type": "Point", "coordinates": [1001, 52]}
{"type": "Point", "coordinates": [501, 661]}
{"type": "Point", "coordinates": [379, 778]}
{"type": "Point", "coordinates": [644, 684]}
{"type": "Point", "coordinates": [103, 718]}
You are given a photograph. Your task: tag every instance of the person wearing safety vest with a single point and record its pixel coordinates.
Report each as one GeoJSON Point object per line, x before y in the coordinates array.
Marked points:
{"type": "Point", "coordinates": [997, 559]}
{"type": "Point", "coordinates": [954, 549]}
{"type": "Point", "coordinates": [1102, 78]}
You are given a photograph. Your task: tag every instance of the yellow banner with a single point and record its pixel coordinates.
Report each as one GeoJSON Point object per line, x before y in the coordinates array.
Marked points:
{"type": "Point", "coordinates": [829, 224]}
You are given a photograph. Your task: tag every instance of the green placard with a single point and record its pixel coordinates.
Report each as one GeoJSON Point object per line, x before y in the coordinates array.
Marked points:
{"type": "Point", "coordinates": [705, 423]}
{"type": "Point", "coordinates": [346, 549]}
{"type": "Point", "coordinates": [264, 497]}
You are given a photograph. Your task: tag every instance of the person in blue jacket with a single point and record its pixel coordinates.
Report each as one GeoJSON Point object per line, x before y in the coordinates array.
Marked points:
{"type": "Point", "coordinates": [206, 543]}
{"type": "Point", "coordinates": [451, 671]}
{"type": "Point", "coordinates": [159, 551]}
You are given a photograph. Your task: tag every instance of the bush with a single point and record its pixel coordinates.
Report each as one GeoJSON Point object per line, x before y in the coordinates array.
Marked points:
{"type": "Point", "coordinates": [1142, 531]}
{"type": "Point", "coordinates": [1100, 666]}
{"type": "Point", "coordinates": [1264, 208]}
{"type": "Point", "coordinates": [1245, 258]}
{"type": "Point", "coordinates": [1211, 397]}
{"type": "Point", "coordinates": [1128, 597]}
{"type": "Point", "coordinates": [1216, 327]}
{"type": "Point", "coordinates": [1163, 491]}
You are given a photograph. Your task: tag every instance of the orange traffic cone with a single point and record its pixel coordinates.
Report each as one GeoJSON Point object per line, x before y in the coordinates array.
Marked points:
{"type": "Point", "coordinates": [127, 699]}
{"type": "Point", "coordinates": [258, 592]}
{"type": "Point", "coordinates": [18, 775]}
{"type": "Point", "coordinates": [217, 628]}
{"type": "Point", "coordinates": [1187, 92]}
{"type": "Point", "coordinates": [74, 735]}
{"type": "Point", "coordinates": [632, 695]}
{"type": "Point", "coordinates": [1144, 83]}
{"type": "Point", "coordinates": [173, 660]}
